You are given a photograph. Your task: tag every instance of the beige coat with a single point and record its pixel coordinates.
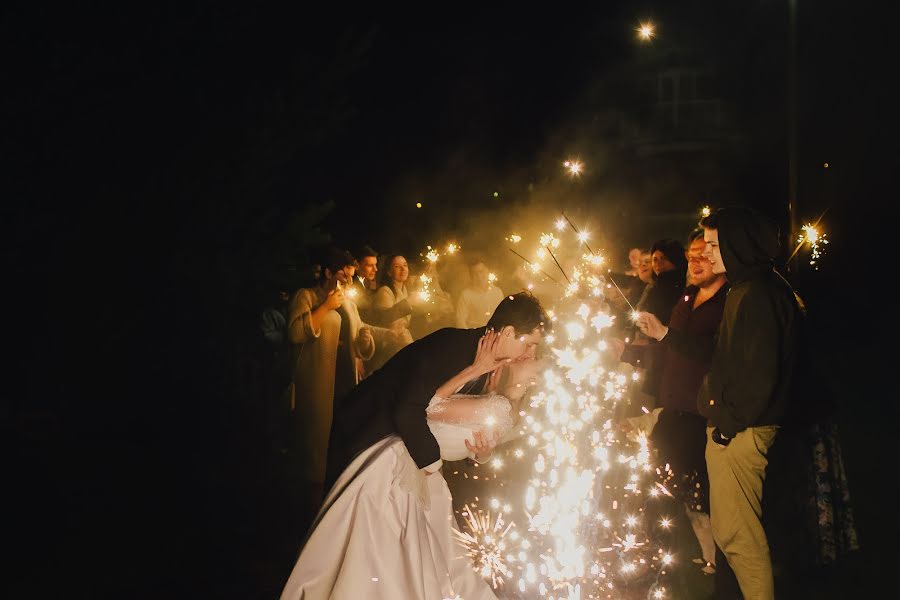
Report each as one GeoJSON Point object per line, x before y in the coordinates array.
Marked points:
{"type": "Point", "coordinates": [385, 298]}
{"type": "Point", "coordinates": [315, 354]}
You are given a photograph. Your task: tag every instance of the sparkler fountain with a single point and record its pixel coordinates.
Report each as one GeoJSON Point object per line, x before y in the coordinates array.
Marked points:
{"type": "Point", "coordinates": [581, 528]}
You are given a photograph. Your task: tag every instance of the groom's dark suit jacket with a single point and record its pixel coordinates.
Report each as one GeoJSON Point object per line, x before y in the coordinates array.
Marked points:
{"type": "Point", "coordinates": [393, 399]}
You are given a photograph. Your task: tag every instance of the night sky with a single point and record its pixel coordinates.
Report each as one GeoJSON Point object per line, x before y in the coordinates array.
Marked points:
{"type": "Point", "coordinates": [163, 161]}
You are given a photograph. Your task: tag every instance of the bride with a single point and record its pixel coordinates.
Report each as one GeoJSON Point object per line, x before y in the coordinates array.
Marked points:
{"type": "Point", "coordinates": [386, 528]}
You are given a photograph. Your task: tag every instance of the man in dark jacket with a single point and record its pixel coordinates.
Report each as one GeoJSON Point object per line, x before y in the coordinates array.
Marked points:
{"type": "Point", "coordinates": [746, 392]}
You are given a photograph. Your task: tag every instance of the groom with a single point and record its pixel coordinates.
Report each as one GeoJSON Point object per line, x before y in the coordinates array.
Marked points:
{"type": "Point", "coordinates": [393, 399]}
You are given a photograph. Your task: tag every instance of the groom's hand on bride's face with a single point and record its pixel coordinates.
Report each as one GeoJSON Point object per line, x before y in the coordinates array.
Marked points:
{"type": "Point", "coordinates": [487, 357]}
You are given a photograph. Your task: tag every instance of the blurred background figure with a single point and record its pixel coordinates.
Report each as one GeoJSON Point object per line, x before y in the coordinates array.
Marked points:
{"type": "Point", "coordinates": [435, 306]}
{"type": "Point", "coordinates": [477, 302]}
{"type": "Point", "coordinates": [276, 362]}
{"type": "Point", "coordinates": [391, 309]}
{"type": "Point", "coordinates": [625, 289]}
{"type": "Point", "coordinates": [634, 261]}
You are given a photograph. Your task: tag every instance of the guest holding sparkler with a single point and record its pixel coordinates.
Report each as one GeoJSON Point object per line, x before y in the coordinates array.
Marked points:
{"type": "Point", "coordinates": [436, 306]}
{"type": "Point", "coordinates": [391, 308]}
{"type": "Point", "coordinates": [628, 288]}
{"type": "Point", "coordinates": [669, 271]}
{"type": "Point", "coordinates": [669, 267]}
{"type": "Point", "coordinates": [676, 428]}
{"type": "Point", "coordinates": [327, 335]}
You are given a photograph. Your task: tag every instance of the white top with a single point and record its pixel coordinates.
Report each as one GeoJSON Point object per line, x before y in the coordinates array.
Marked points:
{"type": "Point", "coordinates": [492, 414]}
{"type": "Point", "coordinates": [474, 308]}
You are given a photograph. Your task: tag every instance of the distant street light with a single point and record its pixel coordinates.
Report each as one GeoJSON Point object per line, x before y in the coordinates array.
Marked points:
{"type": "Point", "coordinates": [646, 31]}
{"type": "Point", "coordinates": [574, 167]}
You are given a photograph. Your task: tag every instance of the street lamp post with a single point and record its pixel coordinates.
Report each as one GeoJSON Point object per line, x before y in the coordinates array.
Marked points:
{"type": "Point", "coordinates": [792, 204]}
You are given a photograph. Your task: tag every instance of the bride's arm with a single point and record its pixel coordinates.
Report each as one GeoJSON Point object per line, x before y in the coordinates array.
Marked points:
{"type": "Point", "coordinates": [485, 362]}
{"type": "Point", "coordinates": [454, 383]}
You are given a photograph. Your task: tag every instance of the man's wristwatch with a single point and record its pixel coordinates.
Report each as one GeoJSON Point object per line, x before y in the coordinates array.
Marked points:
{"type": "Point", "coordinates": [720, 439]}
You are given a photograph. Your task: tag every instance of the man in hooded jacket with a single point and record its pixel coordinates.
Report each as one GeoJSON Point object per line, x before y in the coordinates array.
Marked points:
{"type": "Point", "coordinates": [746, 391]}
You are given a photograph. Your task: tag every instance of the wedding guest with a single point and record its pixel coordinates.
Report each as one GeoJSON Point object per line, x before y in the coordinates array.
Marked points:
{"type": "Point", "coordinates": [436, 307]}
{"type": "Point", "coordinates": [669, 271]}
{"type": "Point", "coordinates": [748, 388]}
{"type": "Point", "coordinates": [477, 302]}
{"type": "Point", "coordinates": [625, 289]}
{"type": "Point", "coordinates": [669, 267]}
{"type": "Point", "coordinates": [273, 320]}
{"type": "Point", "coordinates": [679, 433]}
{"type": "Point", "coordinates": [276, 367]}
{"type": "Point", "coordinates": [323, 360]}
{"type": "Point", "coordinates": [364, 282]}
{"type": "Point", "coordinates": [807, 510]}
{"type": "Point", "coordinates": [391, 308]}
{"type": "Point", "coordinates": [645, 269]}
{"type": "Point", "coordinates": [634, 261]}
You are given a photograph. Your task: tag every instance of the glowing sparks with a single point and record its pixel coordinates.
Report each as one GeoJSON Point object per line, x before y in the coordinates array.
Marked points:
{"type": "Point", "coordinates": [432, 255]}
{"type": "Point", "coordinates": [484, 541]}
{"type": "Point", "coordinates": [352, 293]}
{"type": "Point", "coordinates": [548, 240]}
{"type": "Point", "coordinates": [515, 239]}
{"type": "Point", "coordinates": [816, 240]}
{"type": "Point", "coordinates": [492, 278]}
{"type": "Point", "coordinates": [601, 321]}
{"type": "Point", "coordinates": [425, 291]}
{"type": "Point", "coordinates": [705, 211]}
{"type": "Point", "coordinates": [586, 530]}
{"type": "Point", "coordinates": [646, 31]}
{"type": "Point", "coordinates": [811, 234]}
{"type": "Point", "coordinates": [452, 248]}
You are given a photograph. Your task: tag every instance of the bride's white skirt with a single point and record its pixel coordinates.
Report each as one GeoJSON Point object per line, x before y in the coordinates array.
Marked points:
{"type": "Point", "coordinates": [385, 531]}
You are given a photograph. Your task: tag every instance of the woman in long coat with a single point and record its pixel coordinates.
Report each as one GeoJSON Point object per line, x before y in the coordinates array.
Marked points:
{"type": "Point", "coordinates": [328, 338]}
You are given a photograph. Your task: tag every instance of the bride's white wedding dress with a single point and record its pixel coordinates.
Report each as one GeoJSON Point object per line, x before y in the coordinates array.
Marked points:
{"type": "Point", "coordinates": [385, 529]}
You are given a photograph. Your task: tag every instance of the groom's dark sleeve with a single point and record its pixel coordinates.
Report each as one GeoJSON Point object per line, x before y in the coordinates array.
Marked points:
{"type": "Point", "coordinates": [435, 363]}
{"type": "Point", "coordinates": [411, 425]}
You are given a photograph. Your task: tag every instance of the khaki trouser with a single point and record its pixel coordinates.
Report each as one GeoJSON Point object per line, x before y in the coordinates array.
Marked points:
{"type": "Point", "coordinates": [736, 475]}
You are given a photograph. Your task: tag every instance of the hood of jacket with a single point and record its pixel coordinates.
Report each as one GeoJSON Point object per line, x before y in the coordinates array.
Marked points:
{"type": "Point", "coordinates": [748, 242]}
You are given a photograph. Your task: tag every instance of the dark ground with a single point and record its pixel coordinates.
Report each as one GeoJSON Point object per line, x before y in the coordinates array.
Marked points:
{"type": "Point", "coordinates": [132, 514]}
